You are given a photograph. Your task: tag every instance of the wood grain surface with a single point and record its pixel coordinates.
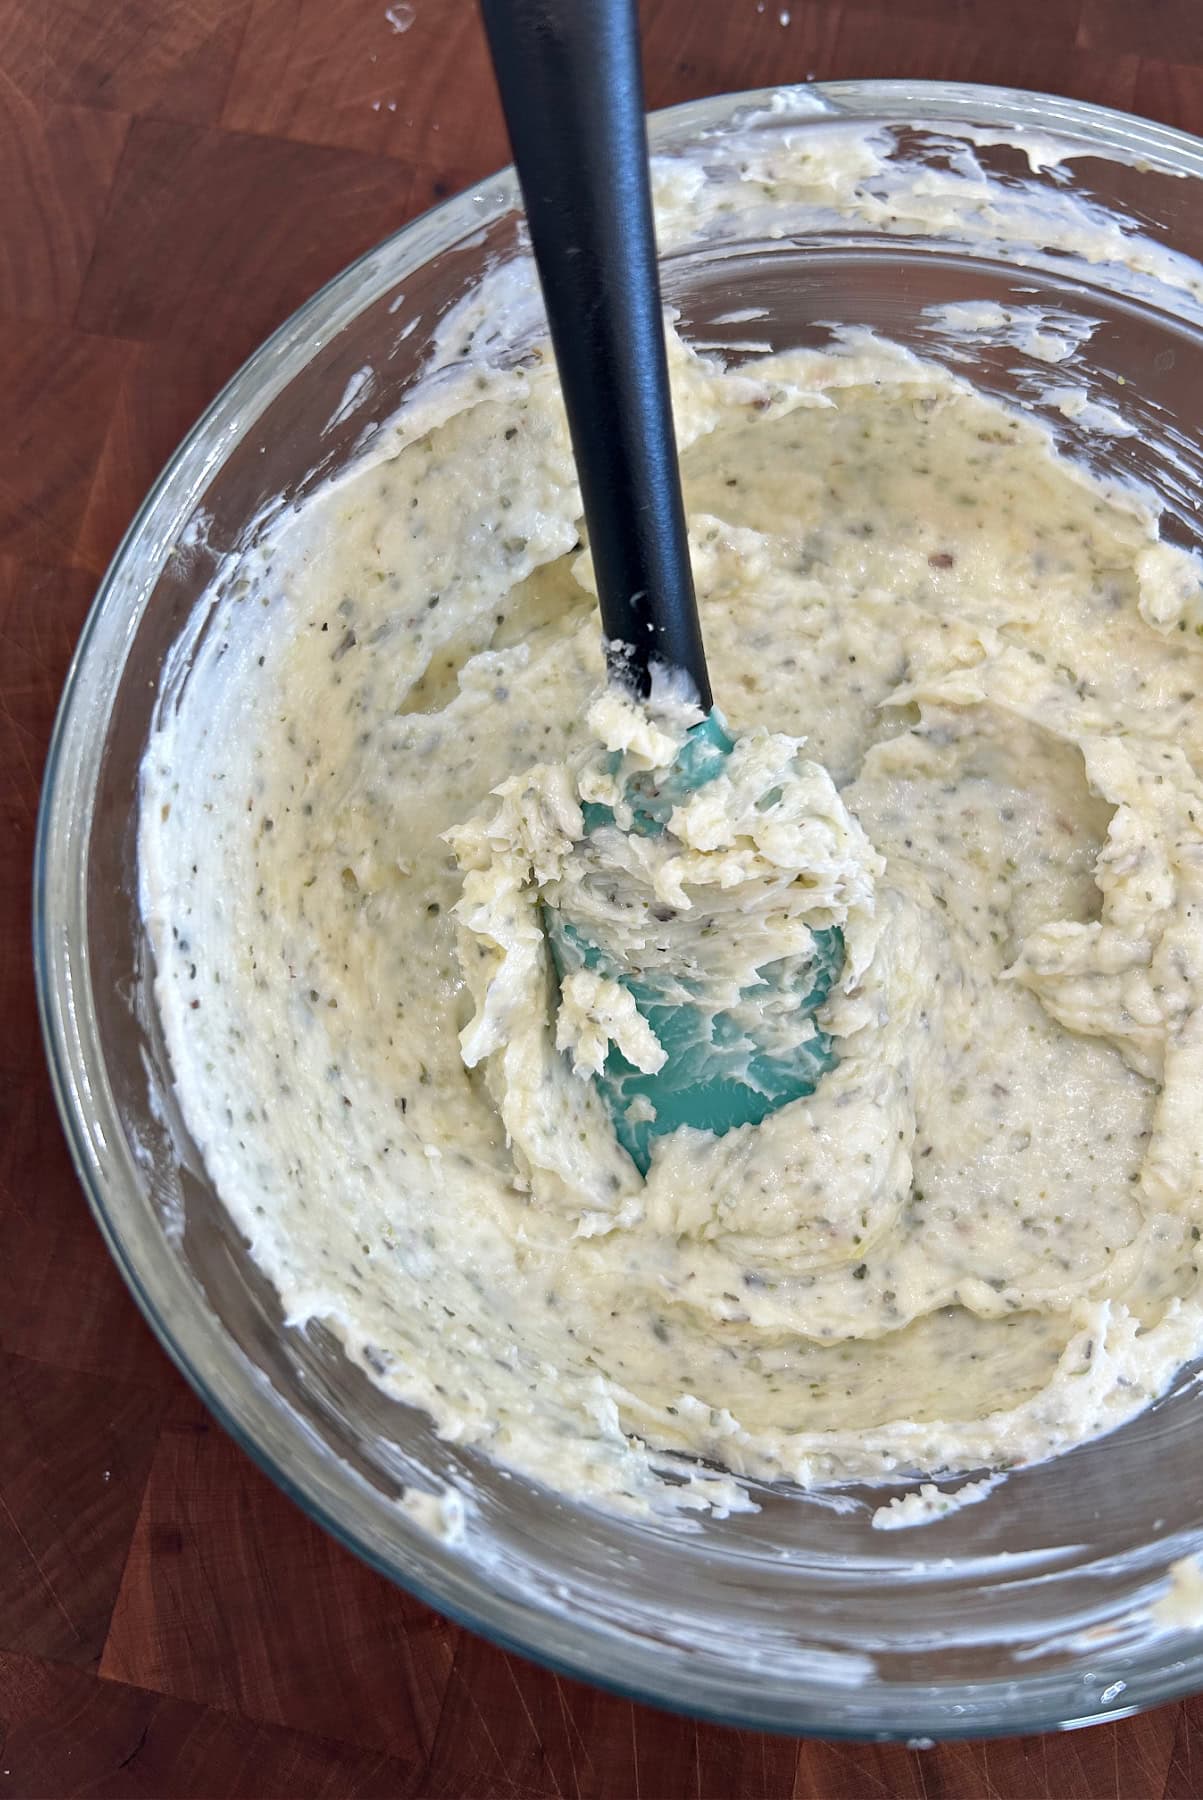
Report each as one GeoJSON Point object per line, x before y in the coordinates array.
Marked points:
{"type": "Point", "coordinates": [176, 175]}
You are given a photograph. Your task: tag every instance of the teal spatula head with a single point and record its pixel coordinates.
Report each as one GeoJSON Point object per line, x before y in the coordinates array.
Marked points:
{"type": "Point", "coordinates": [697, 927]}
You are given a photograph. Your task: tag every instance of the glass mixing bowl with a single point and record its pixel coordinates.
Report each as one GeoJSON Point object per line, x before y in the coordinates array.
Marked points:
{"type": "Point", "coordinates": [1026, 1611]}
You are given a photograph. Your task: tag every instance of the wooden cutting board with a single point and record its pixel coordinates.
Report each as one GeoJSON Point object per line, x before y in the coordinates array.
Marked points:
{"type": "Point", "coordinates": [177, 175]}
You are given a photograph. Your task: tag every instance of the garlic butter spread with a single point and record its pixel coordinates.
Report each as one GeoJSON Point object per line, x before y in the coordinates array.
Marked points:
{"type": "Point", "coordinates": [966, 687]}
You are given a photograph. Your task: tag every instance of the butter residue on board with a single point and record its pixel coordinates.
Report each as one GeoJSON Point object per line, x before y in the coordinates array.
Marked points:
{"type": "Point", "coordinates": [994, 659]}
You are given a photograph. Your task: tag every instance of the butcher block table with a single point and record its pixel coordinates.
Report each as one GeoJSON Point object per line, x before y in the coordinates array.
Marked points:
{"type": "Point", "coordinates": [177, 176]}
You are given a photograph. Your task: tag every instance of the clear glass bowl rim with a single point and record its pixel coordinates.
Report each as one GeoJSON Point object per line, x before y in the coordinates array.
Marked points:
{"type": "Point", "coordinates": [192, 1335]}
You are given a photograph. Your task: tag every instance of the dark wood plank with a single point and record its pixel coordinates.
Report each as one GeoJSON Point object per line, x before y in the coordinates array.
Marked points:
{"type": "Point", "coordinates": [1059, 23]}
{"type": "Point", "coordinates": [414, 85]}
{"type": "Point", "coordinates": [873, 42]}
{"type": "Point", "coordinates": [58, 386]}
{"type": "Point", "coordinates": [235, 1599]}
{"type": "Point", "coordinates": [1158, 27]}
{"type": "Point", "coordinates": [177, 257]}
{"type": "Point", "coordinates": [1171, 92]}
{"type": "Point", "coordinates": [1184, 1779]}
{"type": "Point", "coordinates": [162, 60]}
{"type": "Point", "coordinates": [685, 57]}
{"type": "Point", "coordinates": [506, 1720]}
{"type": "Point", "coordinates": [65, 1733]}
{"type": "Point", "coordinates": [41, 610]}
{"type": "Point", "coordinates": [166, 385]}
{"type": "Point", "coordinates": [74, 1455]}
{"type": "Point", "coordinates": [1110, 1762]}
{"type": "Point", "coordinates": [58, 165]}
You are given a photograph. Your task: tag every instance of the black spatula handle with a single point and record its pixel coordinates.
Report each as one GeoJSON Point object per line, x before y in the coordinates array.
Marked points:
{"type": "Point", "coordinates": [570, 82]}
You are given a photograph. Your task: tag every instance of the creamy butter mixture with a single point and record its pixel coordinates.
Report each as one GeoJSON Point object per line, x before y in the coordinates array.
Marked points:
{"type": "Point", "coordinates": [967, 686]}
